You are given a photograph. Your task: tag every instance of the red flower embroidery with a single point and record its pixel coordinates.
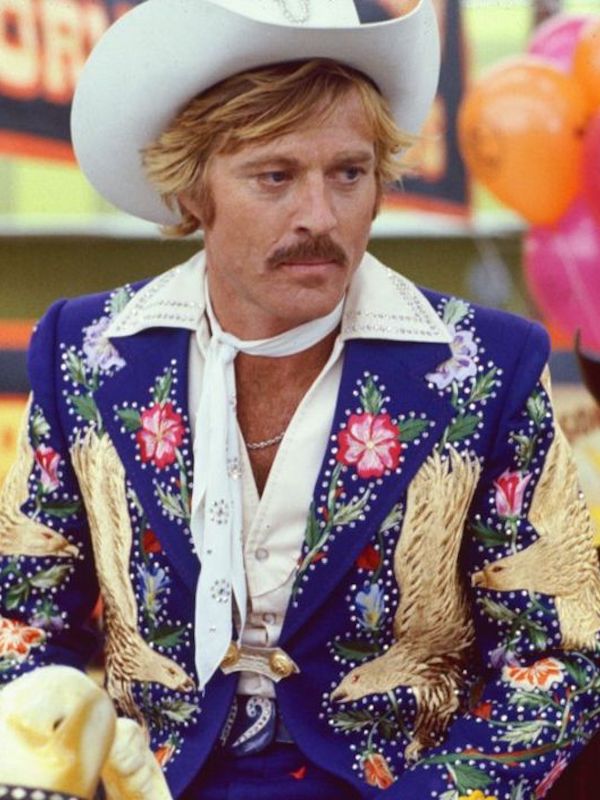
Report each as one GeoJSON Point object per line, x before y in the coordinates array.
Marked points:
{"type": "Point", "coordinates": [299, 774]}
{"type": "Point", "coordinates": [48, 460]}
{"type": "Point", "coordinates": [369, 558]}
{"type": "Point", "coordinates": [510, 488]}
{"type": "Point", "coordinates": [17, 639]}
{"type": "Point", "coordinates": [541, 674]}
{"type": "Point", "coordinates": [550, 779]}
{"type": "Point", "coordinates": [161, 433]}
{"type": "Point", "coordinates": [150, 542]}
{"type": "Point", "coordinates": [377, 771]}
{"type": "Point", "coordinates": [483, 710]}
{"type": "Point", "coordinates": [371, 443]}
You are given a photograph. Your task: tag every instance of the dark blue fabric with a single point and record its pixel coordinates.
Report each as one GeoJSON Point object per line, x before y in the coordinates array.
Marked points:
{"type": "Point", "coordinates": [281, 772]}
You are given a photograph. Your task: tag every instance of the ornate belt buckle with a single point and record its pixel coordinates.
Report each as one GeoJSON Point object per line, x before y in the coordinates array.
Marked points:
{"type": "Point", "coordinates": [272, 662]}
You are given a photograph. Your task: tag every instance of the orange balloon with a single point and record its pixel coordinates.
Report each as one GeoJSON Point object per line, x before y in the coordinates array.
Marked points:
{"type": "Point", "coordinates": [586, 62]}
{"type": "Point", "coordinates": [520, 132]}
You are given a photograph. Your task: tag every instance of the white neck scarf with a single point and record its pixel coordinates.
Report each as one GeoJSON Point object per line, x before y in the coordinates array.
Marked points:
{"type": "Point", "coordinates": [216, 513]}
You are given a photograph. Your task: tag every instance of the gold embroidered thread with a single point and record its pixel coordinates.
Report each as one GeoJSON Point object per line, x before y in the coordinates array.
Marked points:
{"type": "Point", "coordinates": [562, 562]}
{"type": "Point", "coordinates": [432, 626]}
{"type": "Point", "coordinates": [20, 534]}
{"type": "Point", "coordinates": [128, 657]}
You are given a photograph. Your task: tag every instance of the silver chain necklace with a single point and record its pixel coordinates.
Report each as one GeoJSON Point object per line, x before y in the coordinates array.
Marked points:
{"type": "Point", "coordinates": [299, 17]}
{"type": "Point", "coordinates": [266, 442]}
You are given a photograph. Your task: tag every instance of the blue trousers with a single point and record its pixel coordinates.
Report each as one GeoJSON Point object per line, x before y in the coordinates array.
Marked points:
{"type": "Point", "coordinates": [281, 772]}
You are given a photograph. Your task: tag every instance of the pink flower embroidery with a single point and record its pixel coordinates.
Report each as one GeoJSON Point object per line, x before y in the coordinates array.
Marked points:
{"type": "Point", "coordinates": [17, 639]}
{"type": "Point", "coordinates": [510, 488]}
{"type": "Point", "coordinates": [371, 443]}
{"type": "Point", "coordinates": [48, 460]}
{"type": "Point", "coordinates": [541, 674]}
{"type": "Point", "coordinates": [550, 779]}
{"type": "Point", "coordinates": [160, 435]}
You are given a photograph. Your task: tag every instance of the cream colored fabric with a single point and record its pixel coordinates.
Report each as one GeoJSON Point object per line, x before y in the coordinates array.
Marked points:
{"type": "Point", "coordinates": [379, 304]}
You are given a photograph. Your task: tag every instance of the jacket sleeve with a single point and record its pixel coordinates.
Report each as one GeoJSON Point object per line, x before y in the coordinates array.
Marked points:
{"type": "Point", "coordinates": [534, 586]}
{"type": "Point", "coordinates": [47, 579]}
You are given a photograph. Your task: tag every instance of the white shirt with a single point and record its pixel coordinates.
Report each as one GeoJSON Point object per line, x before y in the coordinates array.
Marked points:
{"type": "Point", "coordinates": [380, 304]}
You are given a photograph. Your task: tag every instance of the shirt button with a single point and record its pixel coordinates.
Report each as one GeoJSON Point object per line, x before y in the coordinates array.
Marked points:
{"type": "Point", "coordinates": [269, 618]}
{"type": "Point", "coordinates": [261, 554]}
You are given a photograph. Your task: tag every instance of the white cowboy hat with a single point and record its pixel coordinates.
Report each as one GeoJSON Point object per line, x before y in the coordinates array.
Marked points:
{"type": "Point", "coordinates": [162, 53]}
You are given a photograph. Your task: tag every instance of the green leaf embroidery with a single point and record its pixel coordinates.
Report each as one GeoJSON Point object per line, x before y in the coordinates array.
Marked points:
{"type": "Point", "coordinates": [357, 650]}
{"type": "Point", "coordinates": [370, 397]}
{"type": "Point", "coordinates": [489, 536]}
{"type": "Point", "coordinates": [171, 503]}
{"type": "Point", "coordinates": [49, 578]}
{"type": "Point", "coordinates": [393, 518]}
{"type": "Point", "coordinates": [353, 720]}
{"type": "Point", "coordinates": [577, 673]}
{"type": "Point", "coordinates": [536, 408]}
{"type": "Point", "coordinates": [162, 387]}
{"type": "Point", "coordinates": [39, 427]}
{"type": "Point", "coordinates": [131, 419]}
{"type": "Point", "coordinates": [411, 429]}
{"type": "Point", "coordinates": [16, 595]}
{"type": "Point", "coordinates": [526, 732]}
{"type": "Point", "coordinates": [76, 368]}
{"type": "Point", "coordinates": [351, 511]}
{"type": "Point", "coordinates": [60, 509]}
{"type": "Point", "coordinates": [529, 699]}
{"type": "Point", "coordinates": [461, 427]}
{"type": "Point", "coordinates": [177, 710]}
{"type": "Point", "coordinates": [496, 610]}
{"type": "Point", "coordinates": [455, 310]}
{"type": "Point", "coordinates": [167, 635]}
{"type": "Point", "coordinates": [312, 532]}
{"type": "Point", "coordinates": [483, 386]}
{"type": "Point", "coordinates": [525, 447]}
{"type": "Point", "coordinates": [85, 406]}
{"type": "Point", "coordinates": [468, 778]}
{"type": "Point", "coordinates": [118, 301]}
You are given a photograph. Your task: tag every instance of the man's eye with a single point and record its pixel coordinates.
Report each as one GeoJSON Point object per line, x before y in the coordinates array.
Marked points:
{"type": "Point", "coordinates": [351, 174]}
{"type": "Point", "coordinates": [274, 177]}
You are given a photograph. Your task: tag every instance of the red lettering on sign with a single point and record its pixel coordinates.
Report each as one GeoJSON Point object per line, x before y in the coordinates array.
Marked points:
{"type": "Point", "coordinates": [19, 63]}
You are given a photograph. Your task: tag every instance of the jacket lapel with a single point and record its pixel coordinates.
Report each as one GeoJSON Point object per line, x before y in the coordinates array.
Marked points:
{"type": "Point", "coordinates": [144, 409]}
{"type": "Point", "coordinates": [384, 396]}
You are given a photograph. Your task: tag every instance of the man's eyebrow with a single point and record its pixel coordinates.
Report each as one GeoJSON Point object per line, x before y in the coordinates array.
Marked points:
{"type": "Point", "coordinates": [289, 162]}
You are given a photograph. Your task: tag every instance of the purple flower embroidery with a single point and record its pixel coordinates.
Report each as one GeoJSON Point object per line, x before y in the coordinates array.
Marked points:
{"type": "Point", "coordinates": [461, 365]}
{"type": "Point", "coordinates": [370, 603]}
{"type": "Point", "coordinates": [99, 352]}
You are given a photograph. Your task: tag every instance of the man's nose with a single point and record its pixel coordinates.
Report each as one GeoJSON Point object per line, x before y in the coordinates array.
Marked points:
{"type": "Point", "coordinates": [315, 213]}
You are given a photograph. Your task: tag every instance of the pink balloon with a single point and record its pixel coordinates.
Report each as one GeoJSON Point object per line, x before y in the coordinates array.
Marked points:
{"type": "Point", "coordinates": [591, 165]}
{"type": "Point", "coordinates": [556, 39]}
{"type": "Point", "coordinates": [562, 270]}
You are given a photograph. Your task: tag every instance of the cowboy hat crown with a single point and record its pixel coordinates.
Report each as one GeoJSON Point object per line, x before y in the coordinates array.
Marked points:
{"type": "Point", "coordinates": [157, 57]}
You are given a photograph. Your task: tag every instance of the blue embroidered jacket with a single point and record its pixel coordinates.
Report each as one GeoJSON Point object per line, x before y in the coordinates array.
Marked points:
{"type": "Point", "coordinates": [446, 606]}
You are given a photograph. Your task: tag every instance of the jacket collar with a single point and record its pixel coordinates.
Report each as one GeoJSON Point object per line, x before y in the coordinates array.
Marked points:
{"type": "Point", "coordinates": [380, 304]}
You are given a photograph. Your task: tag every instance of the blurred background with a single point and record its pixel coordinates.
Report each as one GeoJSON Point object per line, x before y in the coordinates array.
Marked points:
{"type": "Point", "coordinates": [501, 203]}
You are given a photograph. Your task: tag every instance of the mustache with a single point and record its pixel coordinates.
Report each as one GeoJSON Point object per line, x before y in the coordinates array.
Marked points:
{"type": "Point", "coordinates": [317, 248]}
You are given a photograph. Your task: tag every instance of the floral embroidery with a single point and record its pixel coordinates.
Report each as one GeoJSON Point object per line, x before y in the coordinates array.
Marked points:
{"type": "Point", "coordinates": [377, 770]}
{"type": "Point", "coordinates": [17, 639]}
{"type": "Point", "coordinates": [371, 443]}
{"type": "Point", "coordinates": [371, 605]}
{"type": "Point", "coordinates": [100, 354]}
{"type": "Point", "coordinates": [477, 795]}
{"type": "Point", "coordinates": [48, 461]}
{"type": "Point", "coordinates": [540, 675]}
{"type": "Point", "coordinates": [165, 751]}
{"type": "Point", "coordinates": [160, 434]}
{"type": "Point", "coordinates": [510, 491]}
{"type": "Point", "coordinates": [150, 542]}
{"type": "Point", "coordinates": [461, 365]}
{"type": "Point", "coordinates": [369, 558]}
{"type": "Point", "coordinates": [544, 786]}
{"type": "Point", "coordinates": [154, 584]}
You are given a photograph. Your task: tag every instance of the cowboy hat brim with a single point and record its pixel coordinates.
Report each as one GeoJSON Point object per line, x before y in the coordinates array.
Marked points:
{"type": "Point", "coordinates": [158, 56]}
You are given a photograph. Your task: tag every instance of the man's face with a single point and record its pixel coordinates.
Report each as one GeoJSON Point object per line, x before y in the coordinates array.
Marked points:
{"type": "Point", "coordinates": [292, 222]}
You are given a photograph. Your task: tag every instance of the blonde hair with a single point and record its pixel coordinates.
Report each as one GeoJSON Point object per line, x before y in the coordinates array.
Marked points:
{"type": "Point", "coordinates": [257, 106]}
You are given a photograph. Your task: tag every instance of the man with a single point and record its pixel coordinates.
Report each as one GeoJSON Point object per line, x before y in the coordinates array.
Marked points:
{"type": "Point", "coordinates": [397, 587]}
